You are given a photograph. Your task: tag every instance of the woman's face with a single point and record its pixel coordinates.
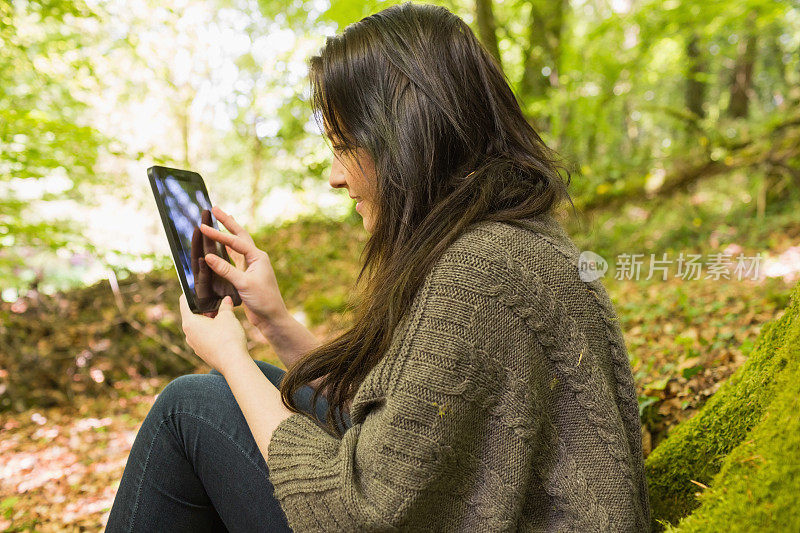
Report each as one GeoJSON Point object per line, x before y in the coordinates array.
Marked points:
{"type": "Point", "coordinates": [345, 172]}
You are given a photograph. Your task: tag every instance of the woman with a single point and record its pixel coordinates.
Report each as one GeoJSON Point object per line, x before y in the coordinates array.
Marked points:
{"type": "Point", "coordinates": [484, 386]}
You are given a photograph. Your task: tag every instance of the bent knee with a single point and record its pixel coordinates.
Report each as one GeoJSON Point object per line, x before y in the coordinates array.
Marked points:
{"type": "Point", "coordinates": [195, 392]}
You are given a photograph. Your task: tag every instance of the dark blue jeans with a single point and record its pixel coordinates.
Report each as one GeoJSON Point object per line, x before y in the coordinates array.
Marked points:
{"type": "Point", "coordinates": [195, 466]}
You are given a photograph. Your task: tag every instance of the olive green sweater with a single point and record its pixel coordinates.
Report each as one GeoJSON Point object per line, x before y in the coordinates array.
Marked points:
{"type": "Point", "coordinates": [505, 403]}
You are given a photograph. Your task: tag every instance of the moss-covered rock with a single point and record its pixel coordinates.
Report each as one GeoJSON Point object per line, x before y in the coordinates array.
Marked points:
{"type": "Point", "coordinates": [746, 434]}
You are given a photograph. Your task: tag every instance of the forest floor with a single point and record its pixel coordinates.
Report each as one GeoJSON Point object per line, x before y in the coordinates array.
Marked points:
{"type": "Point", "coordinates": [60, 466]}
{"type": "Point", "coordinates": [60, 463]}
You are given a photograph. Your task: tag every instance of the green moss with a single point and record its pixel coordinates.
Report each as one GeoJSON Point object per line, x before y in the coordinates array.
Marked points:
{"type": "Point", "coordinates": [759, 482]}
{"type": "Point", "coordinates": [697, 449]}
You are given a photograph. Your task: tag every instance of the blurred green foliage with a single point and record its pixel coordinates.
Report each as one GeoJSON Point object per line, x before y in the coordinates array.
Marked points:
{"type": "Point", "coordinates": [43, 131]}
{"type": "Point", "coordinates": [633, 94]}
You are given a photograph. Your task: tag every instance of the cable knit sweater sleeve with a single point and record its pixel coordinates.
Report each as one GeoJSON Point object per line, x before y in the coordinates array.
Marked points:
{"type": "Point", "coordinates": [428, 407]}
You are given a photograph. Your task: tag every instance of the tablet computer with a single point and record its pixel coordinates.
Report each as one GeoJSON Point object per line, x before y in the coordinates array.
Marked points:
{"type": "Point", "coordinates": [183, 203]}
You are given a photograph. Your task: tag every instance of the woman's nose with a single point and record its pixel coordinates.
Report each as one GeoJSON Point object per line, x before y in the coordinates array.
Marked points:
{"type": "Point", "coordinates": [337, 177]}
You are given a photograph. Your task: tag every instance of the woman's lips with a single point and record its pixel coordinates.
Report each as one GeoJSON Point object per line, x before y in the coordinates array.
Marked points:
{"type": "Point", "coordinates": [358, 204]}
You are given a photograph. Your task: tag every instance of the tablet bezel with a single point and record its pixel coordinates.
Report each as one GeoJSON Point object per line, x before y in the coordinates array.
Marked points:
{"type": "Point", "coordinates": [160, 172]}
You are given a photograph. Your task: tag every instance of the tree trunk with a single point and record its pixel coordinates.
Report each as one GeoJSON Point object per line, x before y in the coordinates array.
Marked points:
{"type": "Point", "coordinates": [695, 79]}
{"type": "Point", "coordinates": [487, 29]}
{"type": "Point", "coordinates": [742, 78]}
{"type": "Point", "coordinates": [255, 184]}
{"type": "Point", "coordinates": [184, 121]}
{"type": "Point", "coordinates": [542, 53]}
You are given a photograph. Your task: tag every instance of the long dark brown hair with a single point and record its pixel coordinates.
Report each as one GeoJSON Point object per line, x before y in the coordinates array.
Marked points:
{"type": "Point", "coordinates": [413, 88]}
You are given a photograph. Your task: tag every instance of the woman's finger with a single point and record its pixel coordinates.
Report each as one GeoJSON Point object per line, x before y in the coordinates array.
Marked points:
{"type": "Point", "coordinates": [228, 221]}
{"type": "Point", "coordinates": [244, 247]}
{"type": "Point", "coordinates": [184, 307]}
{"type": "Point", "coordinates": [226, 270]}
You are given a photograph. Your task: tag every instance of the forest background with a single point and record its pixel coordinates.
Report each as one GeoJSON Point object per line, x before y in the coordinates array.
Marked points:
{"type": "Point", "coordinates": [680, 122]}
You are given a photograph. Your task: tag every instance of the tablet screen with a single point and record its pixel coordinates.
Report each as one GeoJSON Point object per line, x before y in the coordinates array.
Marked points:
{"type": "Point", "coordinates": [184, 205]}
{"type": "Point", "coordinates": [184, 200]}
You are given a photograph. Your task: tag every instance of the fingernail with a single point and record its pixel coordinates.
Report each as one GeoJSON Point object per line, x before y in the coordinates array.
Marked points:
{"type": "Point", "coordinates": [210, 258]}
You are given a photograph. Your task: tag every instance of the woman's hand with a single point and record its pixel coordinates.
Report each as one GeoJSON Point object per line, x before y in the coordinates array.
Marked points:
{"type": "Point", "coordinates": [253, 276]}
{"type": "Point", "coordinates": [219, 341]}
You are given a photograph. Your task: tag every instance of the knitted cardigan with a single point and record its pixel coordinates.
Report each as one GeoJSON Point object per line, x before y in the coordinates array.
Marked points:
{"type": "Point", "coordinates": [505, 402]}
